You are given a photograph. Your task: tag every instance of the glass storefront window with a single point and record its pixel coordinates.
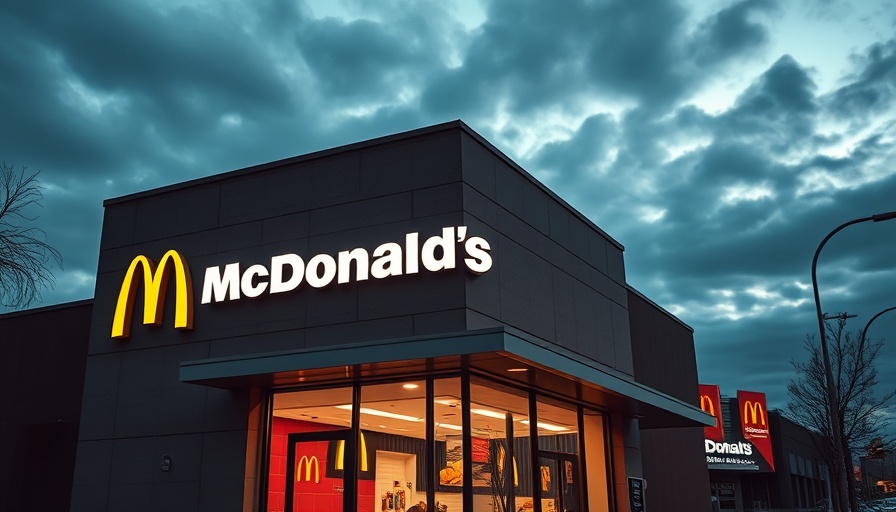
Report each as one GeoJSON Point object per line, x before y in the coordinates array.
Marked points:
{"type": "Point", "coordinates": [598, 477]}
{"type": "Point", "coordinates": [448, 436]}
{"type": "Point", "coordinates": [307, 427]}
{"type": "Point", "coordinates": [502, 478]}
{"type": "Point", "coordinates": [393, 426]}
{"type": "Point", "coordinates": [400, 460]}
{"type": "Point", "coordinates": [558, 448]}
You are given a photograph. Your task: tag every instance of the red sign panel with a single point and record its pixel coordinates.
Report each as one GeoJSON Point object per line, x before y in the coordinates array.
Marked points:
{"type": "Point", "coordinates": [754, 423]}
{"type": "Point", "coordinates": [710, 403]}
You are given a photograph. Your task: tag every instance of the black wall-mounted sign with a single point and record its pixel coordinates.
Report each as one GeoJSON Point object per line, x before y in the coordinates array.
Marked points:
{"type": "Point", "coordinates": [636, 494]}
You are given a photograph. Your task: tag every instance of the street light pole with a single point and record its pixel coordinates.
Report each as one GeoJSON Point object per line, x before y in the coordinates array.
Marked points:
{"type": "Point", "coordinates": [864, 331]}
{"type": "Point", "coordinates": [833, 399]}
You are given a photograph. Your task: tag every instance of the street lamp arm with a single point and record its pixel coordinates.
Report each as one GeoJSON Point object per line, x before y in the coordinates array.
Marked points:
{"type": "Point", "coordinates": [883, 216]}
{"type": "Point", "coordinates": [825, 241]}
{"type": "Point", "coordinates": [864, 331]}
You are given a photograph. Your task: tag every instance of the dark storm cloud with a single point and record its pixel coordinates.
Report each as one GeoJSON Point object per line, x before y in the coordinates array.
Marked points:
{"type": "Point", "coordinates": [873, 88]}
{"type": "Point", "coordinates": [535, 54]}
{"type": "Point", "coordinates": [366, 60]}
{"type": "Point", "coordinates": [730, 32]}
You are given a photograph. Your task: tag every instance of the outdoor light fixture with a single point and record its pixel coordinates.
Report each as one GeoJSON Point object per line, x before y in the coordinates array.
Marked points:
{"type": "Point", "coordinates": [833, 399]}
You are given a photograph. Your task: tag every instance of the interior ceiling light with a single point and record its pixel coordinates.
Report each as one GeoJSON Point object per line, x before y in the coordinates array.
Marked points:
{"type": "Point", "coordinates": [410, 385]}
{"type": "Point", "coordinates": [547, 426]}
{"type": "Point", "coordinates": [383, 414]}
{"type": "Point", "coordinates": [448, 426]}
{"type": "Point", "coordinates": [490, 414]}
{"type": "Point", "coordinates": [517, 369]}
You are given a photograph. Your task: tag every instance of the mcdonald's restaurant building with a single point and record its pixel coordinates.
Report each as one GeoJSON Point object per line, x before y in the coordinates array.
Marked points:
{"type": "Point", "coordinates": [408, 319]}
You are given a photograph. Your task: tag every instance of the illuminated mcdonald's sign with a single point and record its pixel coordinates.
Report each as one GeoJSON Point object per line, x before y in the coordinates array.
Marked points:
{"type": "Point", "coordinates": [755, 412]}
{"type": "Point", "coordinates": [155, 284]}
{"type": "Point", "coordinates": [308, 463]}
{"type": "Point", "coordinates": [754, 419]}
{"type": "Point", "coordinates": [710, 403]}
{"type": "Point", "coordinates": [707, 406]}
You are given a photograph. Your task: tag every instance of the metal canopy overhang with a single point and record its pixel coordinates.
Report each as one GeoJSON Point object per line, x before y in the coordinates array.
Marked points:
{"type": "Point", "coordinates": [496, 350]}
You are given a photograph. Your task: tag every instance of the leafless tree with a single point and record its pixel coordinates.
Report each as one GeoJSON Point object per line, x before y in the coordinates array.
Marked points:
{"type": "Point", "coordinates": [25, 256]}
{"type": "Point", "coordinates": [862, 410]}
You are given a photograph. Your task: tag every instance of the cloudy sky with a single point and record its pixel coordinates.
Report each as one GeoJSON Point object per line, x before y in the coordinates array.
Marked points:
{"type": "Point", "coordinates": [719, 141]}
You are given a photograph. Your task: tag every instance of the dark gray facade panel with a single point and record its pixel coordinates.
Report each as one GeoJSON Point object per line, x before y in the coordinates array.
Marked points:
{"type": "Point", "coordinates": [118, 229]}
{"type": "Point", "coordinates": [566, 321]}
{"type": "Point", "coordinates": [382, 328]}
{"type": "Point", "coordinates": [662, 350]}
{"type": "Point", "coordinates": [267, 193]}
{"type": "Point", "coordinates": [293, 227]}
{"type": "Point", "coordinates": [90, 485]}
{"type": "Point", "coordinates": [478, 167]}
{"type": "Point", "coordinates": [476, 321]}
{"type": "Point", "coordinates": [453, 320]}
{"type": "Point", "coordinates": [674, 467]}
{"type": "Point", "coordinates": [615, 265]}
{"type": "Point", "coordinates": [479, 206]}
{"type": "Point", "coordinates": [179, 213]}
{"type": "Point", "coordinates": [275, 341]}
{"type": "Point", "coordinates": [483, 292]}
{"type": "Point", "coordinates": [558, 222]}
{"type": "Point", "coordinates": [98, 413]}
{"type": "Point", "coordinates": [595, 337]}
{"type": "Point", "coordinates": [376, 211]}
{"type": "Point", "coordinates": [622, 339]}
{"type": "Point", "coordinates": [438, 200]}
{"type": "Point", "coordinates": [42, 372]}
{"type": "Point", "coordinates": [238, 236]}
{"type": "Point", "coordinates": [516, 194]}
{"type": "Point", "coordinates": [135, 497]}
{"type": "Point", "coordinates": [336, 179]}
{"type": "Point", "coordinates": [412, 295]}
{"type": "Point", "coordinates": [334, 305]}
{"type": "Point", "coordinates": [399, 167]}
{"type": "Point", "coordinates": [527, 296]}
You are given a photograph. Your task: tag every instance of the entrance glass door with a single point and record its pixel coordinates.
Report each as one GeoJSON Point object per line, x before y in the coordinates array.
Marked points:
{"type": "Point", "coordinates": [314, 476]}
{"type": "Point", "coordinates": [559, 482]}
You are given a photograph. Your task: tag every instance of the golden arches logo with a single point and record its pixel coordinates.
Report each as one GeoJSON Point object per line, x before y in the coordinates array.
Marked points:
{"type": "Point", "coordinates": [308, 463]}
{"type": "Point", "coordinates": [340, 454]}
{"type": "Point", "coordinates": [706, 405]}
{"type": "Point", "coordinates": [754, 411]}
{"type": "Point", "coordinates": [155, 284]}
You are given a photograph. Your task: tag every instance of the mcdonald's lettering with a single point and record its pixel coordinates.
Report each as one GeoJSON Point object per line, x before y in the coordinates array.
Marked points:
{"type": "Point", "coordinates": [155, 283]}
{"type": "Point", "coordinates": [308, 463]}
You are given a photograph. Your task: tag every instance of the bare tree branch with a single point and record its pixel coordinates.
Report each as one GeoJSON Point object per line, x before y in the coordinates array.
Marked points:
{"type": "Point", "coordinates": [25, 256]}
{"type": "Point", "coordinates": [855, 379]}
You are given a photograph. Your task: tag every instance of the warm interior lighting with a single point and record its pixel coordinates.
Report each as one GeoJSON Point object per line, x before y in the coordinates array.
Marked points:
{"type": "Point", "coordinates": [410, 385]}
{"type": "Point", "coordinates": [488, 413]}
{"type": "Point", "coordinates": [517, 369]}
{"type": "Point", "coordinates": [448, 426]}
{"type": "Point", "coordinates": [383, 414]}
{"type": "Point", "coordinates": [547, 426]}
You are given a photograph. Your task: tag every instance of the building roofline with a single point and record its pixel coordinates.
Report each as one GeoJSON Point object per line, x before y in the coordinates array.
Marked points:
{"type": "Point", "coordinates": [660, 308]}
{"type": "Point", "coordinates": [447, 126]}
